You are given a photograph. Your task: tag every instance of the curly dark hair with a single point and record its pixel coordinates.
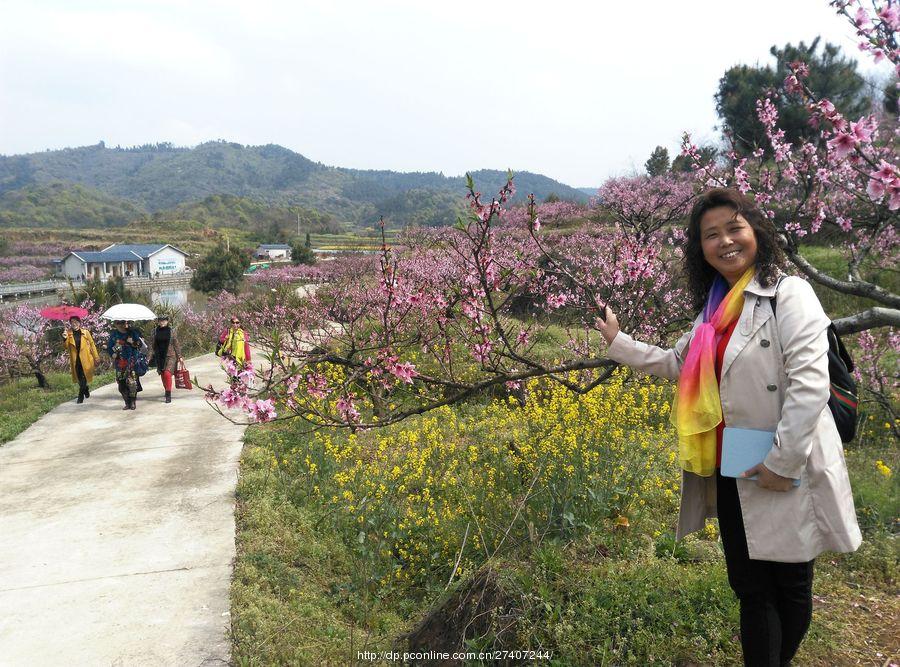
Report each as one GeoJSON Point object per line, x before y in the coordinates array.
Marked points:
{"type": "Point", "coordinates": [769, 255]}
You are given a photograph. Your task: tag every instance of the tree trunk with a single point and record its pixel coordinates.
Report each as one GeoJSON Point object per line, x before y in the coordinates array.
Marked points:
{"type": "Point", "coordinates": [42, 381]}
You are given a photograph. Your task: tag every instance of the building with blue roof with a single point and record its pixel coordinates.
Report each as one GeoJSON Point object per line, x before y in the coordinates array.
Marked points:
{"type": "Point", "coordinates": [140, 259]}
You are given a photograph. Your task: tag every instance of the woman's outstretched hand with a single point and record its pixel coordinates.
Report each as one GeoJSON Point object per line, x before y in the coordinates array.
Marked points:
{"type": "Point", "coordinates": [610, 327]}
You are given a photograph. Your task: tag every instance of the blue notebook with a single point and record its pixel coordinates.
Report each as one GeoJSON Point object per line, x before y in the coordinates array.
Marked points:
{"type": "Point", "coordinates": [743, 448]}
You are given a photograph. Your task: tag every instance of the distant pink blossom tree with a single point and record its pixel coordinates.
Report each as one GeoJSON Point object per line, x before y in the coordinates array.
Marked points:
{"type": "Point", "coordinates": [876, 371]}
{"type": "Point", "coordinates": [644, 205]}
{"type": "Point", "coordinates": [31, 344]}
{"type": "Point", "coordinates": [549, 213]}
{"type": "Point", "coordinates": [24, 273]}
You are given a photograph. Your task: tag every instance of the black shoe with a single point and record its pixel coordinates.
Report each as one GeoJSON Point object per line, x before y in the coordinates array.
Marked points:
{"type": "Point", "coordinates": [134, 405]}
{"type": "Point", "coordinates": [127, 406]}
{"type": "Point", "coordinates": [80, 398]}
{"type": "Point", "coordinates": [168, 397]}
{"type": "Point", "coordinates": [87, 392]}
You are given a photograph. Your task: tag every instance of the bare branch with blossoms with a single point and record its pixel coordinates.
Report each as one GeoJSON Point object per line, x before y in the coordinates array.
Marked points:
{"type": "Point", "coordinates": [878, 37]}
{"type": "Point", "coordinates": [451, 313]}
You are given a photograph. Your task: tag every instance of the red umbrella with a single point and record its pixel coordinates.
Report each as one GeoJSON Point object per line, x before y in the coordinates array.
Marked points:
{"type": "Point", "coordinates": [62, 312]}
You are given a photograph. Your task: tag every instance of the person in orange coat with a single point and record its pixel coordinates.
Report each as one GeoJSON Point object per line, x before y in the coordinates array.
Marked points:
{"type": "Point", "coordinates": [83, 355]}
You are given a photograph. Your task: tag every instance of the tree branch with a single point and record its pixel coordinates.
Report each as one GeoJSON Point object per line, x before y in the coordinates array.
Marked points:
{"type": "Point", "coordinates": [868, 319]}
{"type": "Point", "coordinates": [857, 288]}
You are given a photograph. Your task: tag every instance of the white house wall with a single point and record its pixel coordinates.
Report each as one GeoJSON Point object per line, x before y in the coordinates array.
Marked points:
{"type": "Point", "coordinates": [73, 267]}
{"type": "Point", "coordinates": [167, 261]}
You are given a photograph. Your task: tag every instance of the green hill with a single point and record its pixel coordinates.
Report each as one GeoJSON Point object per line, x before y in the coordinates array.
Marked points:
{"type": "Point", "coordinates": [58, 205]}
{"type": "Point", "coordinates": [162, 177]}
{"type": "Point", "coordinates": [222, 211]}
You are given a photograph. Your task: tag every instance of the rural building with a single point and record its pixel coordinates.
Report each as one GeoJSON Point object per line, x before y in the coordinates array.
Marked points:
{"type": "Point", "coordinates": [124, 260]}
{"type": "Point", "coordinates": [273, 251]}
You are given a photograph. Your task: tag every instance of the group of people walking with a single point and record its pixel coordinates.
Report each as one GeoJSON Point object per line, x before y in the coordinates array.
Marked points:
{"type": "Point", "coordinates": [129, 352]}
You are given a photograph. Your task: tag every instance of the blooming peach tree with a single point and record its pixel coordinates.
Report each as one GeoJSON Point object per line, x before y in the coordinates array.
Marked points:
{"type": "Point", "coordinates": [32, 345]}
{"type": "Point", "coordinates": [503, 297]}
{"type": "Point", "coordinates": [450, 313]}
{"type": "Point", "coordinates": [844, 182]}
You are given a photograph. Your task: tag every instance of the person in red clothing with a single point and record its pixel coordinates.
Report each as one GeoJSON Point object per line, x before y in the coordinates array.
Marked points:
{"type": "Point", "coordinates": [720, 358]}
{"type": "Point", "coordinates": [165, 353]}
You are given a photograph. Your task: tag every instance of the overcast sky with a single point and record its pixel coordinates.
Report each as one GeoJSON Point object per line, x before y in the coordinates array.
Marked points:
{"type": "Point", "coordinates": [576, 90]}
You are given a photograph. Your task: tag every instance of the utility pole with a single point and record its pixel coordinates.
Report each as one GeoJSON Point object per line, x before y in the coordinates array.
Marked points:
{"type": "Point", "coordinates": [298, 223]}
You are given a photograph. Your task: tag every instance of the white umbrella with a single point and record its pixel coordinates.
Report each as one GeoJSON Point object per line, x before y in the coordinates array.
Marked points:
{"type": "Point", "coordinates": [129, 311]}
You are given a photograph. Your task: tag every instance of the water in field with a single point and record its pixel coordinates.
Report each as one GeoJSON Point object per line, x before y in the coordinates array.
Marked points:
{"type": "Point", "coordinates": [179, 297]}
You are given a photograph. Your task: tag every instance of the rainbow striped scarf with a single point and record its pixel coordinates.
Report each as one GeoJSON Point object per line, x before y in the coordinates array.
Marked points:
{"type": "Point", "coordinates": [696, 408]}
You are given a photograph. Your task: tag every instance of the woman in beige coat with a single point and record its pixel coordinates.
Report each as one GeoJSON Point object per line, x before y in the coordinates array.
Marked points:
{"type": "Point", "coordinates": [772, 375]}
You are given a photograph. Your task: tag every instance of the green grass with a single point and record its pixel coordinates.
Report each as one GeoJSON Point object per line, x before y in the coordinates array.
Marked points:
{"type": "Point", "coordinates": [301, 593]}
{"type": "Point", "coordinates": [351, 240]}
{"type": "Point", "coordinates": [830, 261]}
{"type": "Point", "coordinates": [292, 601]}
{"type": "Point", "coordinates": [22, 402]}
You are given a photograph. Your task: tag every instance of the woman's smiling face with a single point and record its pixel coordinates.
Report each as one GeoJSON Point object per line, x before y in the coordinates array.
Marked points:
{"type": "Point", "coordinates": [728, 242]}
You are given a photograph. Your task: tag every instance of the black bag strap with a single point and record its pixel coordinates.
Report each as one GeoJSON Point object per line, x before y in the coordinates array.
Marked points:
{"type": "Point", "coordinates": [834, 340]}
{"type": "Point", "coordinates": [773, 298]}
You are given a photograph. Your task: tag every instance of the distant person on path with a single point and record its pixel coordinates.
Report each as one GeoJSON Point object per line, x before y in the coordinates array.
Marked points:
{"type": "Point", "coordinates": [83, 355]}
{"type": "Point", "coordinates": [124, 347]}
{"type": "Point", "coordinates": [233, 343]}
{"type": "Point", "coordinates": [747, 365]}
{"type": "Point", "coordinates": [165, 352]}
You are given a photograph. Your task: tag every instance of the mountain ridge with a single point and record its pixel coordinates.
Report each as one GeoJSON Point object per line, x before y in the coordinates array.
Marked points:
{"type": "Point", "coordinates": [156, 177]}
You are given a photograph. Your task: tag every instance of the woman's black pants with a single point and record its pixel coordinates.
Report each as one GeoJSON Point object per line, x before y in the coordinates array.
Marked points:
{"type": "Point", "coordinates": [775, 598]}
{"type": "Point", "coordinates": [82, 380]}
{"type": "Point", "coordinates": [123, 390]}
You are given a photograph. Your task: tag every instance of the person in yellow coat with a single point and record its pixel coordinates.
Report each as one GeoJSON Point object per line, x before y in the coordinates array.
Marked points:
{"type": "Point", "coordinates": [233, 343]}
{"type": "Point", "coordinates": [82, 356]}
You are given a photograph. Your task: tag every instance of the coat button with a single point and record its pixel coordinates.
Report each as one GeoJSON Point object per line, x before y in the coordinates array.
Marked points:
{"type": "Point", "coordinates": [771, 387]}
{"type": "Point", "coordinates": [764, 343]}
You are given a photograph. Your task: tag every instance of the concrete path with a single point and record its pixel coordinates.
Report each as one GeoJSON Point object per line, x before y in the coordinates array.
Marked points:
{"type": "Point", "coordinates": [117, 531]}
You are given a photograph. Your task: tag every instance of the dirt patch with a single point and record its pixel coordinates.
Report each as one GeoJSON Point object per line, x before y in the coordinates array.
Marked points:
{"type": "Point", "coordinates": [479, 612]}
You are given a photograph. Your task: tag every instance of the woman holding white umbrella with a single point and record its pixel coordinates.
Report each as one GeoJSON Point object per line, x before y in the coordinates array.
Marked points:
{"type": "Point", "coordinates": [124, 347]}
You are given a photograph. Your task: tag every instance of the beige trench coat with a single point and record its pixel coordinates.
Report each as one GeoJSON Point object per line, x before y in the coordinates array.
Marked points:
{"type": "Point", "coordinates": [774, 377]}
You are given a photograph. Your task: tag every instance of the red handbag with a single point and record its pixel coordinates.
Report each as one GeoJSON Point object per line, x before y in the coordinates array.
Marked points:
{"type": "Point", "coordinates": [182, 377]}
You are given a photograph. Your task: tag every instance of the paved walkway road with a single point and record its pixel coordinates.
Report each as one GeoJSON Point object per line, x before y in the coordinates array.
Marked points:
{"type": "Point", "coordinates": [117, 531]}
